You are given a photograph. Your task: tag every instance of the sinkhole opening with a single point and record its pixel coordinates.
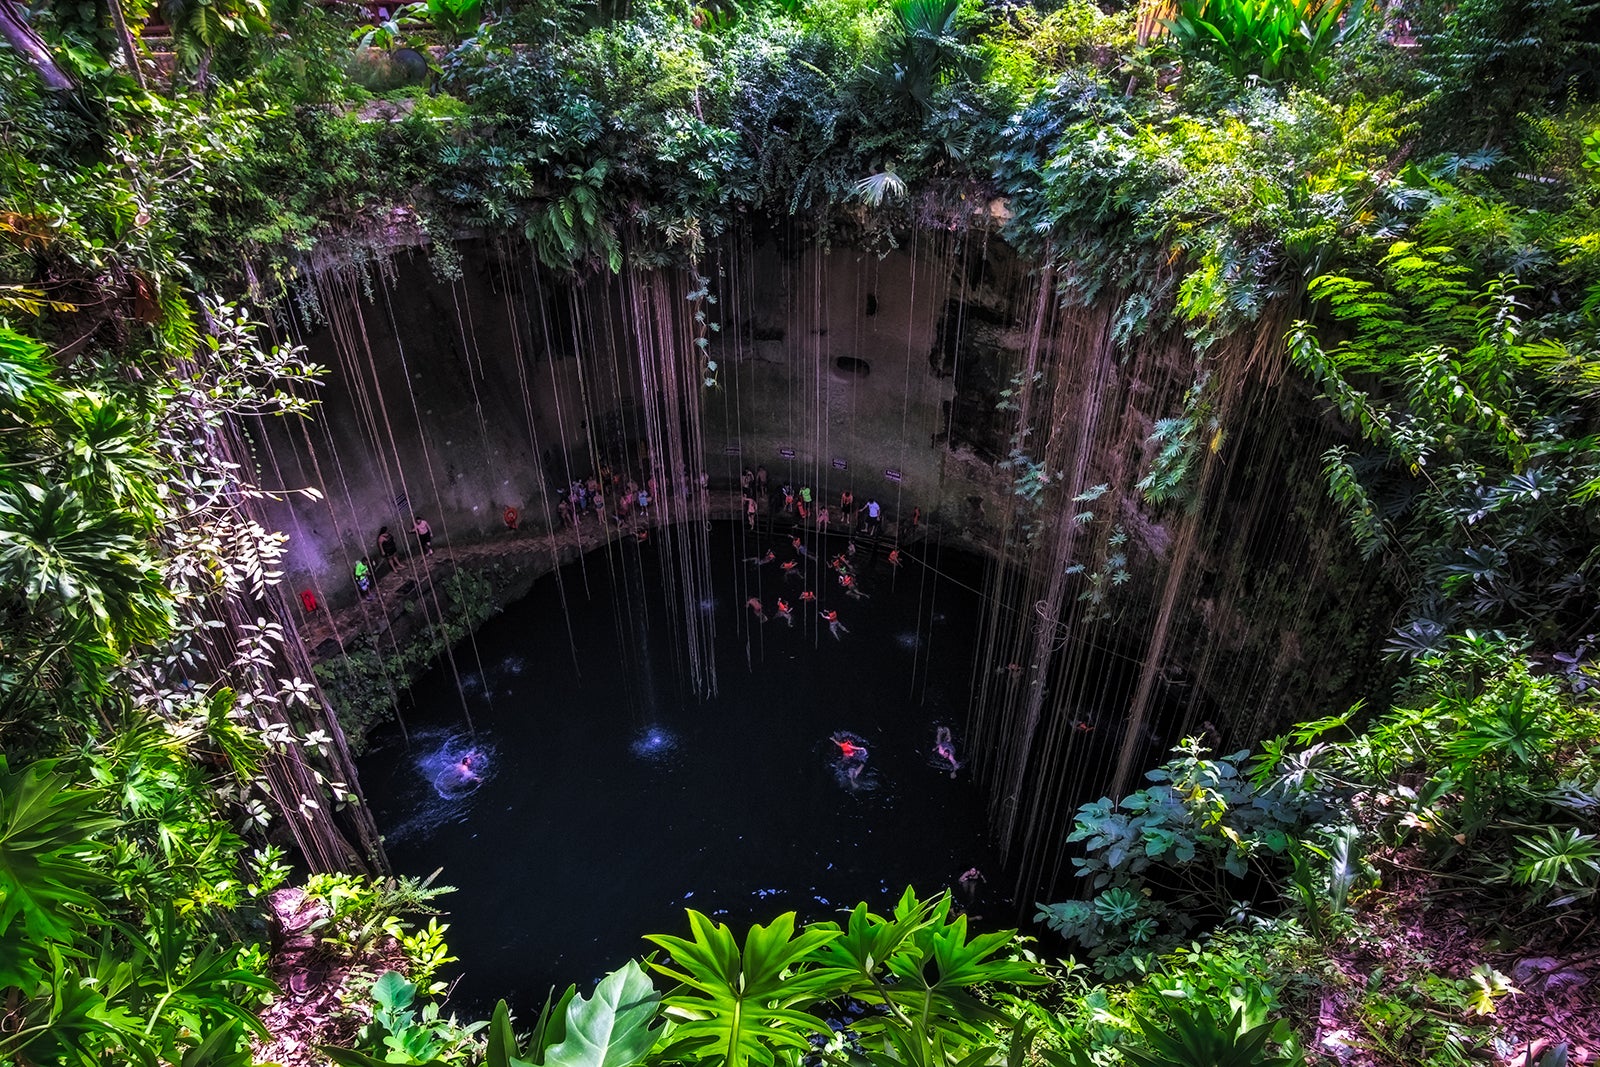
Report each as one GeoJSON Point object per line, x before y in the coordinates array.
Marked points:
{"type": "Point", "coordinates": [563, 772]}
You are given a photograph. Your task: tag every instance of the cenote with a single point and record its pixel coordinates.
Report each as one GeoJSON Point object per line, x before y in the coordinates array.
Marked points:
{"type": "Point", "coordinates": [421, 425]}
{"type": "Point", "coordinates": [611, 798]}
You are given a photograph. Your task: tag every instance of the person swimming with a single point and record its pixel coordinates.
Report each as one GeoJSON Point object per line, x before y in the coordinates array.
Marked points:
{"type": "Point", "coordinates": [754, 604]}
{"type": "Point", "coordinates": [851, 588]}
{"type": "Point", "coordinates": [791, 569]}
{"type": "Point", "coordinates": [894, 557]}
{"type": "Point", "coordinates": [762, 561]}
{"type": "Point", "coordinates": [944, 747]}
{"type": "Point", "coordinates": [852, 761]}
{"type": "Point", "coordinates": [807, 596]}
{"type": "Point", "coordinates": [463, 767]}
{"type": "Point", "coordinates": [784, 612]}
{"type": "Point", "coordinates": [835, 627]}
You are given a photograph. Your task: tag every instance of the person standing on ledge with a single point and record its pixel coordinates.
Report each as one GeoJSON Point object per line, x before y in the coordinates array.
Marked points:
{"type": "Point", "coordinates": [363, 579]}
{"type": "Point", "coordinates": [424, 534]}
{"type": "Point", "coordinates": [388, 549]}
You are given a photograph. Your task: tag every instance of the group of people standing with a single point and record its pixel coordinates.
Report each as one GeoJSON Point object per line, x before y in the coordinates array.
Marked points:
{"type": "Point", "coordinates": [785, 499]}
{"type": "Point", "coordinates": [389, 554]}
{"type": "Point", "coordinates": [627, 498]}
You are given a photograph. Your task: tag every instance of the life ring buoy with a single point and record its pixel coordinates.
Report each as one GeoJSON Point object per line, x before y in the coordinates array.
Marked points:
{"type": "Point", "coordinates": [510, 516]}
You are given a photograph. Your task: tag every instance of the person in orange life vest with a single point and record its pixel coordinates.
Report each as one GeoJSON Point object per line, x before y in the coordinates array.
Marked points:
{"type": "Point", "coordinates": [835, 627]}
{"type": "Point", "coordinates": [784, 613]}
{"type": "Point", "coordinates": [850, 587]}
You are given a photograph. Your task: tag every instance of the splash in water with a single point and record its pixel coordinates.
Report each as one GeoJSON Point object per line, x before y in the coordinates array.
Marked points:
{"type": "Point", "coordinates": [944, 751]}
{"type": "Point", "coordinates": [654, 743]}
{"type": "Point", "coordinates": [850, 762]}
{"type": "Point", "coordinates": [458, 767]}
{"type": "Point", "coordinates": [910, 640]}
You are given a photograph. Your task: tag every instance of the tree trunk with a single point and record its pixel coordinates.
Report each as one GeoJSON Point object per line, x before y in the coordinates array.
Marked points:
{"type": "Point", "coordinates": [19, 35]}
{"type": "Point", "coordinates": [129, 52]}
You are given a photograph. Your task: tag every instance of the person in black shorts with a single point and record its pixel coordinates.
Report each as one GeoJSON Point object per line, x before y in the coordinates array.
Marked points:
{"type": "Point", "coordinates": [424, 534]}
{"type": "Point", "coordinates": [388, 548]}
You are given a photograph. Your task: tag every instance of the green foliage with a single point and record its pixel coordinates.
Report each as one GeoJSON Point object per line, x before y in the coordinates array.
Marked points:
{"type": "Point", "coordinates": [364, 913]}
{"type": "Point", "coordinates": [1475, 473]}
{"type": "Point", "coordinates": [1190, 1035]}
{"type": "Point", "coordinates": [1164, 856]}
{"type": "Point", "coordinates": [44, 833]}
{"type": "Point", "coordinates": [364, 684]}
{"type": "Point", "coordinates": [929, 49]}
{"type": "Point", "coordinates": [79, 984]}
{"type": "Point", "coordinates": [1563, 862]}
{"type": "Point", "coordinates": [739, 1004]}
{"type": "Point", "coordinates": [614, 1028]}
{"type": "Point", "coordinates": [502, 1049]}
{"type": "Point", "coordinates": [1180, 440]}
{"type": "Point", "coordinates": [1269, 39]}
{"type": "Point", "coordinates": [407, 1035]}
{"type": "Point", "coordinates": [918, 968]}
{"type": "Point", "coordinates": [1488, 61]}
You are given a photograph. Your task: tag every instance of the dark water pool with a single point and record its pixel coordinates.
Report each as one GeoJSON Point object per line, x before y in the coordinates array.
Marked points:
{"type": "Point", "coordinates": [607, 799]}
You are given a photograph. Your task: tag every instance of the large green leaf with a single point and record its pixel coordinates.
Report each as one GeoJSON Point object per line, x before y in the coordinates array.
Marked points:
{"type": "Point", "coordinates": [45, 830]}
{"type": "Point", "coordinates": [741, 1006]}
{"type": "Point", "coordinates": [612, 1028]}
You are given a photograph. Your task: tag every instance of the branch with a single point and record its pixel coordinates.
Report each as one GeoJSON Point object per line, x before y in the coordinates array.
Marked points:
{"type": "Point", "coordinates": [20, 36]}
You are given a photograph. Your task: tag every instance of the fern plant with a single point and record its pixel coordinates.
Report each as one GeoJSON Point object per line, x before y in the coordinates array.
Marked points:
{"type": "Point", "coordinates": [1562, 863]}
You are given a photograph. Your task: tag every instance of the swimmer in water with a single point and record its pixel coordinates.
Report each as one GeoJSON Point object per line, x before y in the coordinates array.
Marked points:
{"type": "Point", "coordinates": [808, 597]}
{"type": "Point", "coordinates": [967, 885]}
{"type": "Point", "coordinates": [944, 747]}
{"type": "Point", "coordinates": [791, 569]}
{"type": "Point", "coordinates": [464, 769]}
{"type": "Point", "coordinates": [762, 561]}
{"type": "Point", "coordinates": [835, 627]}
{"type": "Point", "coordinates": [894, 557]}
{"type": "Point", "coordinates": [799, 546]}
{"type": "Point", "coordinates": [851, 588]}
{"type": "Point", "coordinates": [754, 604]}
{"type": "Point", "coordinates": [850, 746]}
{"type": "Point", "coordinates": [783, 612]}
{"type": "Point", "coordinates": [852, 757]}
